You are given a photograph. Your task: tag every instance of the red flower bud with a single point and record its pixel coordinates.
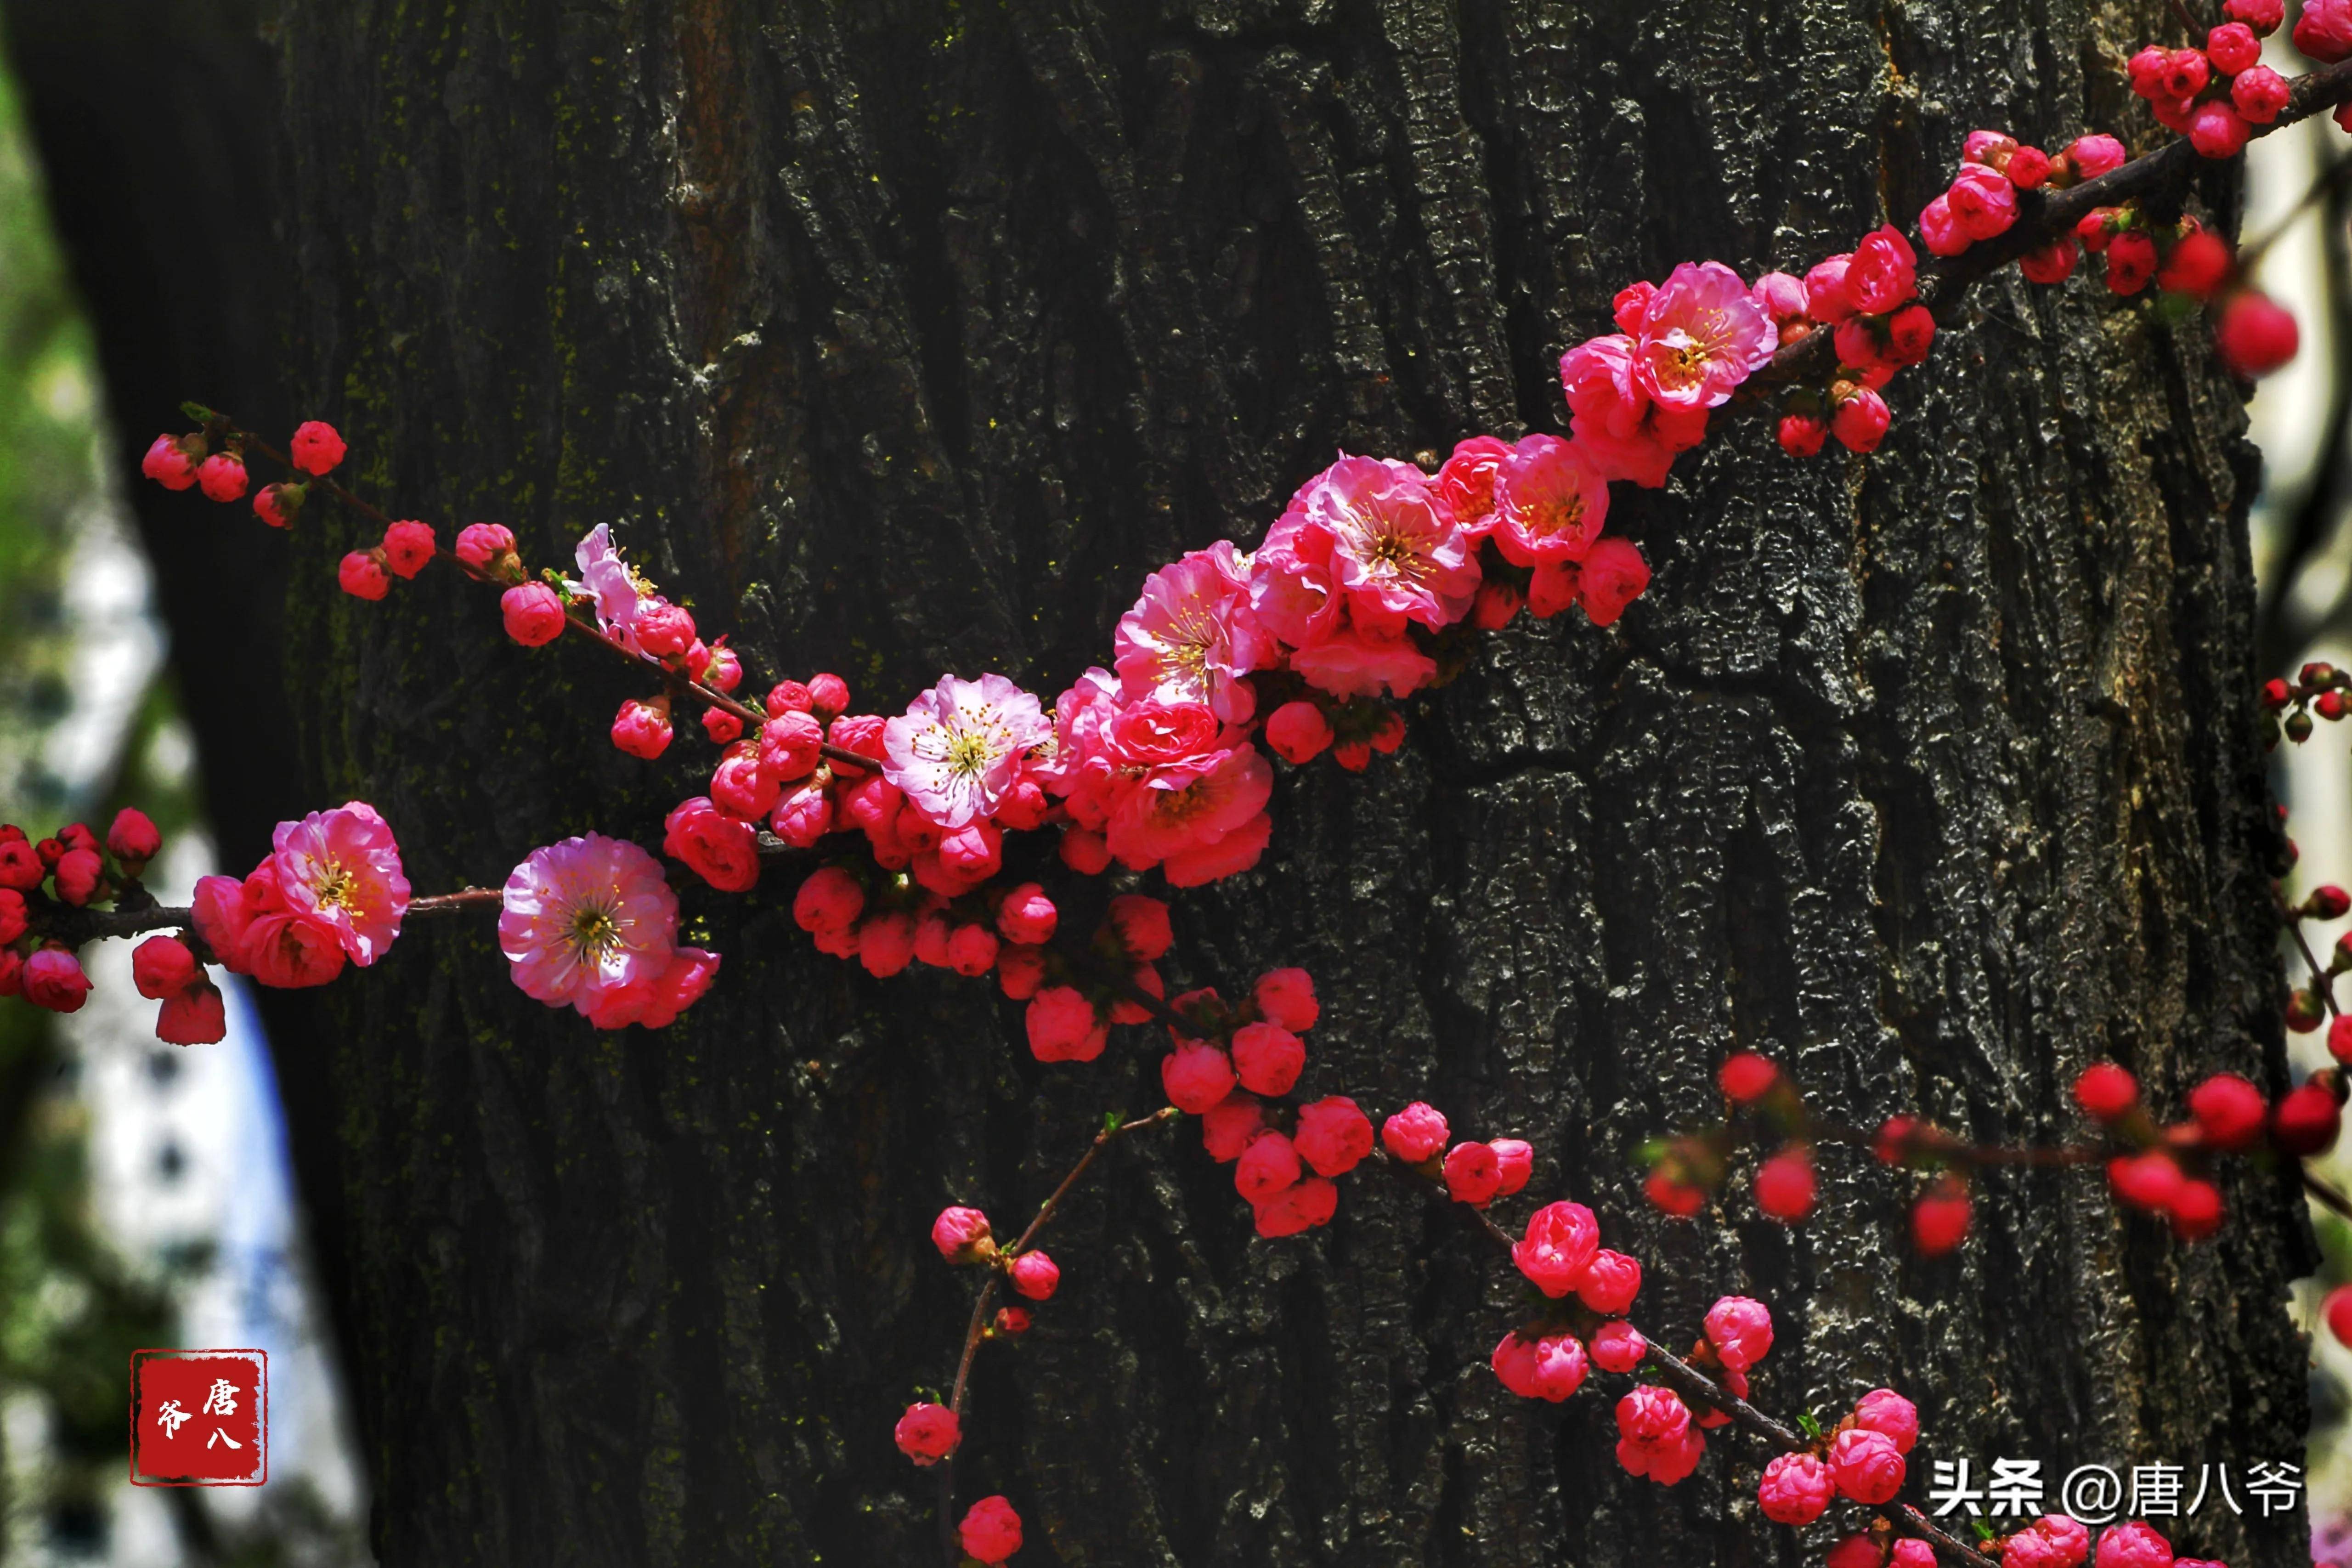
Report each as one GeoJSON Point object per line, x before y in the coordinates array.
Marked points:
{"type": "Point", "coordinates": [2255, 336]}
{"type": "Point", "coordinates": [534, 614]}
{"type": "Point", "coordinates": [1785, 1186]}
{"type": "Point", "coordinates": [132, 839]}
{"type": "Point", "coordinates": [1746, 1076]}
{"type": "Point", "coordinates": [362, 574]}
{"type": "Point", "coordinates": [1940, 1218]}
{"type": "Point", "coordinates": [407, 548]}
{"type": "Point", "coordinates": [2306, 1121]}
{"type": "Point", "coordinates": [316, 448]}
{"type": "Point", "coordinates": [2106, 1091]}
{"type": "Point", "coordinates": [2229, 1109]}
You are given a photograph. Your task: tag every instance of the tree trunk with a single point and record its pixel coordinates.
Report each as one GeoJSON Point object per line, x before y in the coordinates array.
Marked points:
{"type": "Point", "coordinates": [909, 337]}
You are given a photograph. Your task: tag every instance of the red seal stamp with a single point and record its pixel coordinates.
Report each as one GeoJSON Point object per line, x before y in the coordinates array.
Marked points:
{"type": "Point", "coordinates": [199, 1418]}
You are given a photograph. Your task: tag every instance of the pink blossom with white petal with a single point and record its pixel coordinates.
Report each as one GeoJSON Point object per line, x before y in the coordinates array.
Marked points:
{"type": "Point", "coordinates": [1194, 637]}
{"type": "Point", "coordinates": [607, 579]}
{"type": "Point", "coordinates": [342, 868]}
{"type": "Point", "coordinates": [957, 749]}
{"type": "Point", "coordinates": [591, 922]}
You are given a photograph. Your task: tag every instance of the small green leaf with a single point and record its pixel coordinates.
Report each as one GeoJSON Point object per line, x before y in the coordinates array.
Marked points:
{"type": "Point", "coordinates": [1984, 1530]}
{"type": "Point", "coordinates": [197, 412]}
{"type": "Point", "coordinates": [1112, 1121]}
{"type": "Point", "coordinates": [1812, 1427]}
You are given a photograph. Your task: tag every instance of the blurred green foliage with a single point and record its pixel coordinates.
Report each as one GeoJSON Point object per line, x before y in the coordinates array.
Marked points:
{"type": "Point", "coordinates": [69, 1312]}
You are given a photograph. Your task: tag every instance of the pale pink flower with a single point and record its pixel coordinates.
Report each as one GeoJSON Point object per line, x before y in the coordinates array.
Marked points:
{"type": "Point", "coordinates": [1194, 637]}
{"type": "Point", "coordinates": [958, 747]}
{"type": "Point", "coordinates": [608, 580]}
{"type": "Point", "coordinates": [1396, 550]}
{"type": "Point", "coordinates": [1701, 336]}
{"type": "Point", "coordinates": [589, 921]}
{"type": "Point", "coordinates": [342, 868]}
{"type": "Point", "coordinates": [1551, 501]}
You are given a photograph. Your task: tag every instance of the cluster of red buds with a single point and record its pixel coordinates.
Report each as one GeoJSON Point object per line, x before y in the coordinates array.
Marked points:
{"type": "Point", "coordinates": [43, 883]}
{"type": "Point", "coordinates": [2162, 1169]}
{"type": "Point", "coordinates": [2318, 689]}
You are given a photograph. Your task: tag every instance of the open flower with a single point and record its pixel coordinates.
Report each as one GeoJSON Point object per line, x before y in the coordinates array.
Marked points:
{"type": "Point", "coordinates": [1551, 499]}
{"type": "Point", "coordinates": [341, 868]}
{"type": "Point", "coordinates": [1189, 806]}
{"type": "Point", "coordinates": [957, 751]}
{"type": "Point", "coordinates": [1701, 336]}
{"type": "Point", "coordinates": [1395, 549]}
{"type": "Point", "coordinates": [605, 578]}
{"type": "Point", "coordinates": [589, 921]}
{"type": "Point", "coordinates": [1194, 637]}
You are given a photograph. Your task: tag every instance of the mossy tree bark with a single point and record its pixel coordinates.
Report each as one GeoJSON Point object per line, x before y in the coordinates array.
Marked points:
{"type": "Point", "coordinates": [909, 337]}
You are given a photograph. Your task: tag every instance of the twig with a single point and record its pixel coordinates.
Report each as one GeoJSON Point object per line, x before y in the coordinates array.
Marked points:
{"type": "Point", "coordinates": [1814, 357]}
{"type": "Point", "coordinates": [2327, 1193]}
{"type": "Point", "coordinates": [979, 1326]}
{"type": "Point", "coordinates": [2320, 980]}
{"type": "Point", "coordinates": [63, 923]}
{"type": "Point", "coordinates": [464, 898]}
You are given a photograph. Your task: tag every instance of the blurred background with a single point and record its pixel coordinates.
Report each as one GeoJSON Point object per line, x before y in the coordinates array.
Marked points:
{"type": "Point", "coordinates": [146, 1196]}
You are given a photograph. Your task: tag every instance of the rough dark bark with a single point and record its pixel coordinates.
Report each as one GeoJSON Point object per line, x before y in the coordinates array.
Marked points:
{"type": "Point", "coordinates": [909, 336]}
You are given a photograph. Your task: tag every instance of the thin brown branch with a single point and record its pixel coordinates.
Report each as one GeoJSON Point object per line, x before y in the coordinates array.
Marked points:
{"type": "Point", "coordinates": [464, 898]}
{"type": "Point", "coordinates": [73, 927]}
{"type": "Point", "coordinates": [2320, 979]}
{"type": "Point", "coordinates": [1935, 1535]}
{"type": "Point", "coordinates": [2326, 1192]}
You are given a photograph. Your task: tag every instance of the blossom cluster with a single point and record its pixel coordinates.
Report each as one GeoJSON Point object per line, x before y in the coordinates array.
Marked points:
{"type": "Point", "coordinates": [1357, 597]}
{"type": "Point", "coordinates": [330, 891]}
{"type": "Point", "coordinates": [2165, 1170]}
{"type": "Point", "coordinates": [41, 879]}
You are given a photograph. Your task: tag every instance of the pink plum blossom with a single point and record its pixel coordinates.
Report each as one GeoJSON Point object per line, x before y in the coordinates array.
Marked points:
{"type": "Point", "coordinates": [1740, 1330]}
{"type": "Point", "coordinates": [1194, 637]}
{"type": "Point", "coordinates": [1702, 335]}
{"type": "Point", "coordinates": [341, 868]}
{"type": "Point", "coordinates": [607, 579]}
{"type": "Point", "coordinates": [1796, 1489]}
{"type": "Point", "coordinates": [1885, 1411]}
{"type": "Point", "coordinates": [589, 921]}
{"type": "Point", "coordinates": [957, 749]}
{"type": "Point", "coordinates": [1550, 501]}
{"type": "Point", "coordinates": [1396, 551]}
{"type": "Point", "coordinates": [1559, 1244]}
